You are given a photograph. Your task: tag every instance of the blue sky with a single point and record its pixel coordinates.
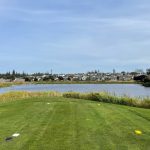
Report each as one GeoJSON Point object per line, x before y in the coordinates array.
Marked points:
{"type": "Point", "coordinates": [74, 35]}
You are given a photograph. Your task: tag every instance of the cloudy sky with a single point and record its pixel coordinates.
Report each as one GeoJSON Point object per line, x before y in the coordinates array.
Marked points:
{"type": "Point", "coordinates": [74, 35]}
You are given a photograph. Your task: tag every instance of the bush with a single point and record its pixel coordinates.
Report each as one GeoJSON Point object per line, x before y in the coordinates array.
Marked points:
{"type": "Point", "coordinates": [71, 95]}
{"type": "Point", "coordinates": [145, 103]}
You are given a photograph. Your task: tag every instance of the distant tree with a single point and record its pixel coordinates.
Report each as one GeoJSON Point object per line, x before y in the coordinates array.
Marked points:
{"type": "Point", "coordinates": [7, 75]}
{"type": "Point", "coordinates": [69, 78]}
{"type": "Point", "coordinates": [140, 78]}
{"type": "Point", "coordinates": [27, 79]}
{"type": "Point", "coordinates": [35, 79]}
{"type": "Point", "coordinates": [134, 73]}
{"type": "Point", "coordinates": [13, 72]}
{"type": "Point", "coordinates": [95, 71]}
{"type": "Point", "coordinates": [88, 78]}
{"type": "Point", "coordinates": [60, 78]}
{"type": "Point", "coordinates": [23, 74]}
{"type": "Point", "coordinates": [46, 73]}
{"type": "Point", "coordinates": [118, 78]}
{"type": "Point", "coordinates": [46, 78]}
{"type": "Point", "coordinates": [147, 79]}
{"type": "Point", "coordinates": [148, 71]}
{"type": "Point", "coordinates": [51, 77]}
{"type": "Point", "coordinates": [123, 72]}
{"type": "Point", "coordinates": [13, 75]}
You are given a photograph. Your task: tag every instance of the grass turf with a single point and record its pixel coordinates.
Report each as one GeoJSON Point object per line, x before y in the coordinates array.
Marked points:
{"type": "Point", "coordinates": [70, 124]}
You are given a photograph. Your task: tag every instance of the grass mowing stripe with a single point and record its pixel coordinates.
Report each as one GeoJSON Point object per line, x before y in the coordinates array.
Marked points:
{"type": "Point", "coordinates": [130, 123]}
{"type": "Point", "coordinates": [132, 114]}
{"type": "Point", "coordinates": [99, 128]}
{"type": "Point", "coordinates": [107, 130]}
{"type": "Point", "coordinates": [147, 118]}
{"type": "Point", "coordinates": [43, 122]}
{"type": "Point", "coordinates": [69, 124]}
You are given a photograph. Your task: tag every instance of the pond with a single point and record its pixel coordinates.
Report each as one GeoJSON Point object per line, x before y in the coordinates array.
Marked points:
{"type": "Point", "coordinates": [132, 90]}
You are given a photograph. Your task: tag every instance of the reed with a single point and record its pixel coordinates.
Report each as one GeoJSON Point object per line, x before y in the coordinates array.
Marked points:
{"type": "Point", "coordinates": [100, 97]}
{"type": "Point", "coordinates": [7, 84]}
{"type": "Point", "coordinates": [108, 98]}
{"type": "Point", "coordinates": [19, 95]}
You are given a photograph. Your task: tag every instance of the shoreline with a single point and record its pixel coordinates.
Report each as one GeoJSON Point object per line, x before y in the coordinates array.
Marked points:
{"type": "Point", "coordinates": [8, 84]}
{"type": "Point", "coordinates": [85, 82]}
{"type": "Point", "coordinates": [104, 97]}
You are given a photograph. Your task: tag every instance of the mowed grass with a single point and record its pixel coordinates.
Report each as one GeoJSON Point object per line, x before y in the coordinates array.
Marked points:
{"type": "Point", "coordinates": [70, 124]}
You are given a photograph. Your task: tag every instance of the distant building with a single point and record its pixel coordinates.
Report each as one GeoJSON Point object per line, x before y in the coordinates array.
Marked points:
{"type": "Point", "coordinates": [4, 80]}
{"type": "Point", "coordinates": [19, 80]}
{"type": "Point", "coordinates": [84, 78]}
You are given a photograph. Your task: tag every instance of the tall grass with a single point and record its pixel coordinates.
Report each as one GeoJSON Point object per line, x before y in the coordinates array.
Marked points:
{"type": "Point", "coordinates": [100, 97]}
{"type": "Point", "coordinates": [108, 98]}
{"type": "Point", "coordinates": [7, 84]}
{"type": "Point", "coordinates": [84, 82]}
{"type": "Point", "coordinates": [18, 95]}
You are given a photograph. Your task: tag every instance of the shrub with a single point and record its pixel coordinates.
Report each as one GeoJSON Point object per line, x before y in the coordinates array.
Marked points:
{"type": "Point", "coordinates": [145, 103]}
{"type": "Point", "coordinates": [71, 95]}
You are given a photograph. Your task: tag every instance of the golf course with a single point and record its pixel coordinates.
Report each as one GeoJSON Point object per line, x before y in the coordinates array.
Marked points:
{"type": "Point", "coordinates": [58, 123]}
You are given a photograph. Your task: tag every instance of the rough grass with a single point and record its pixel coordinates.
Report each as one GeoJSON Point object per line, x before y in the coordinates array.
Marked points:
{"type": "Point", "coordinates": [108, 98]}
{"type": "Point", "coordinates": [100, 97]}
{"type": "Point", "coordinates": [70, 124]}
{"type": "Point", "coordinates": [7, 84]}
{"type": "Point", "coordinates": [20, 95]}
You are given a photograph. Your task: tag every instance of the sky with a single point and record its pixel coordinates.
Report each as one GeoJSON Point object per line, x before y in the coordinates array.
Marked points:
{"type": "Point", "coordinates": [71, 36]}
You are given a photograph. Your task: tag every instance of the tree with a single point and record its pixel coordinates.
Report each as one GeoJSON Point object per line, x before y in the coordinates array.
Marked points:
{"type": "Point", "coordinates": [13, 72]}
{"type": "Point", "coordinates": [134, 73]}
{"type": "Point", "coordinates": [148, 71]}
{"type": "Point", "coordinates": [140, 78]}
{"type": "Point", "coordinates": [46, 78]}
{"type": "Point", "coordinates": [27, 79]}
{"type": "Point", "coordinates": [60, 78]}
{"type": "Point", "coordinates": [51, 77]}
{"type": "Point", "coordinates": [35, 79]}
{"type": "Point", "coordinates": [123, 72]}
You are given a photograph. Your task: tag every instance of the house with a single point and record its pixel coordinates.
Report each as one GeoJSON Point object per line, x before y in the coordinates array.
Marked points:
{"type": "Point", "coordinates": [84, 78]}
{"type": "Point", "coordinates": [19, 80]}
{"type": "Point", "coordinates": [4, 80]}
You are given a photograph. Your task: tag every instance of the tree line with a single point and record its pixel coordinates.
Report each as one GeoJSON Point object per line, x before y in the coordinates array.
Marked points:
{"type": "Point", "coordinates": [144, 79]}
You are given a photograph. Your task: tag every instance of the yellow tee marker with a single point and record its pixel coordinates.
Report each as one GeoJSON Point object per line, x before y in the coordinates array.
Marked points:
{"type": "Point", "coordinates": [138, 132]}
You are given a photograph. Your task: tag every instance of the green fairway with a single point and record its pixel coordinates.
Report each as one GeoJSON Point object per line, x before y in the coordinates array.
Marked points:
{"type": "Point", "coordinates": [57, 123]}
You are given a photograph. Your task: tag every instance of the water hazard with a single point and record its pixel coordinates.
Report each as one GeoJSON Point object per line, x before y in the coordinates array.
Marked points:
{"type": "Point", "coordinates": [133, 90]}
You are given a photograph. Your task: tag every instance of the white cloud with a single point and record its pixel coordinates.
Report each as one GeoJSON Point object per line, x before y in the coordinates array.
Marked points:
{"type": "Point", "coordinates": [72, 37]}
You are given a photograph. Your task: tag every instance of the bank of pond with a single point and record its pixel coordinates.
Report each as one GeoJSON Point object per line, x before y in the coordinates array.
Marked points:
{"type": "Point", "coordinates": [99, 97]}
